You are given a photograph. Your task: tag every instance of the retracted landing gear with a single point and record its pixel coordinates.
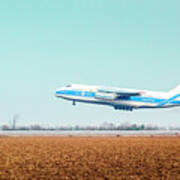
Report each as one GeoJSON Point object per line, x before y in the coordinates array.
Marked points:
{"type": "Point", "coordinates": [74, 103]}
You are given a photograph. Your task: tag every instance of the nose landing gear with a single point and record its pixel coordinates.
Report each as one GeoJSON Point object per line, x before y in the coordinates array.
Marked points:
{"type": "Point", "coordinates": [74, 103]}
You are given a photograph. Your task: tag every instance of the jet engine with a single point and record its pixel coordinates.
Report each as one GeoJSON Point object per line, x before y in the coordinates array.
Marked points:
{"type": "Point", "coordinates": [105, 96]}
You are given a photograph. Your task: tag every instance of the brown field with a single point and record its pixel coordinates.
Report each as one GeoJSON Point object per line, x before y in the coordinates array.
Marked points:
{"type": "Point", "coordinates": [90, 158]}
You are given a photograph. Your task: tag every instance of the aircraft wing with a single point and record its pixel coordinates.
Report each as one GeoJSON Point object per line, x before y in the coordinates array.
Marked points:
{"type": "Point", "coordinates": [120, 92]}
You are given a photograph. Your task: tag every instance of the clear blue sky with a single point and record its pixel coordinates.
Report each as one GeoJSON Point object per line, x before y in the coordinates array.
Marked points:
{"type": "Point", "coordinates": [48, 44]}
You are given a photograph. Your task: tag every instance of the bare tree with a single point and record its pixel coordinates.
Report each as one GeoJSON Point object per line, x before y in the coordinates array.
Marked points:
{"type": "Point", "coordinates": [15, 117]}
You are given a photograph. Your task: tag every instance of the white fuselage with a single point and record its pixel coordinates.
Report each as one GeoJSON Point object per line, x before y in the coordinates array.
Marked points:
{"type": "Point", "coordinates": [111, 97]}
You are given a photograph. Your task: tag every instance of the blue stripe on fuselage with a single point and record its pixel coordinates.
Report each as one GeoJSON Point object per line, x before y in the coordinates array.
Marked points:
{"type": "Point", "coordinates": [76, 93]}
{"type": "Point", "coordinates": [170, 101]}
{"type": "Point", "coordinates": [146, 99]}
{"type": "Point", "coordinates": [155, 100]}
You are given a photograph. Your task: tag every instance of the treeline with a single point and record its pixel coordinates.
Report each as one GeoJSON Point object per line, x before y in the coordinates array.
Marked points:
{"type": "Point", "coordinates": [104, 127]}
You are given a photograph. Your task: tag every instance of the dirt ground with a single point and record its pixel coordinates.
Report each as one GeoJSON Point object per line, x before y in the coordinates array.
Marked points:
{"type": "Point", "coordinates": [82, 158]}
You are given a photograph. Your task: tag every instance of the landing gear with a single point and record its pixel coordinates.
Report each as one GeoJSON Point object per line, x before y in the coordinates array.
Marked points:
{"type": "Point", "coordinates": [123, 107]}
{"type": "Point", "coordinates": [74, 103]}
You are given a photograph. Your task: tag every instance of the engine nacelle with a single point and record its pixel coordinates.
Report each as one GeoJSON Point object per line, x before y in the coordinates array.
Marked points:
{"type": "Point", "coordinates": [105, 96]}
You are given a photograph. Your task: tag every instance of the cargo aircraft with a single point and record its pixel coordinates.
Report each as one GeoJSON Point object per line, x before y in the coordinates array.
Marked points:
{"type": "Point", "coordinates": [119, 98]}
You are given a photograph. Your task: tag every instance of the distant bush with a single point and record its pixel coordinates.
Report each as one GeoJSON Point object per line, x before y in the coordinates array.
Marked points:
{"type": "Point", "coordinates": [5, 128]}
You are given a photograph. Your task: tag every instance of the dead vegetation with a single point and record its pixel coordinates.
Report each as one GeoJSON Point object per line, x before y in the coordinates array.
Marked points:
{"type": "Point", "coordinates": [90, 158]}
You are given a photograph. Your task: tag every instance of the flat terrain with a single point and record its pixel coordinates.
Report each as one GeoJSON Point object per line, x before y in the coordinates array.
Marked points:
{"type": "Point", "coordinates": [90, 158]}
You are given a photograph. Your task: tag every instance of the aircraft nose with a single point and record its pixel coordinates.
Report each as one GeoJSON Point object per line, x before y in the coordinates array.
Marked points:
{"type": "Point", "coordinates": [58, 92]}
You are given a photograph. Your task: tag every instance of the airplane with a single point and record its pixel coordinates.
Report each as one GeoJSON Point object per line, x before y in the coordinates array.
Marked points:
{"type": "Point", "coordinates": [119, 98]}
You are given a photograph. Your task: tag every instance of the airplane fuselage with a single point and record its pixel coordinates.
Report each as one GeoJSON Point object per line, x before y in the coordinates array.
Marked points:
{"type": "Point", "coordinates": [125, 99]}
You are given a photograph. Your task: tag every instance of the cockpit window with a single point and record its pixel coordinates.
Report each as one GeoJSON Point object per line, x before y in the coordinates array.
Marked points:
{"type": "Point", "coordinates": [68, 86]}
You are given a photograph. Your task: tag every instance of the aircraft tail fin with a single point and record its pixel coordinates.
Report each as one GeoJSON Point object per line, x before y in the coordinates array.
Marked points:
{"type": "Point", "coordinates": [175, 90]}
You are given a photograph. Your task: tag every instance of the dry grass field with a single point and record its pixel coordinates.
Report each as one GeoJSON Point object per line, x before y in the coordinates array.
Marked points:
{"type": "Point", "coordinates": [90, 158]}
